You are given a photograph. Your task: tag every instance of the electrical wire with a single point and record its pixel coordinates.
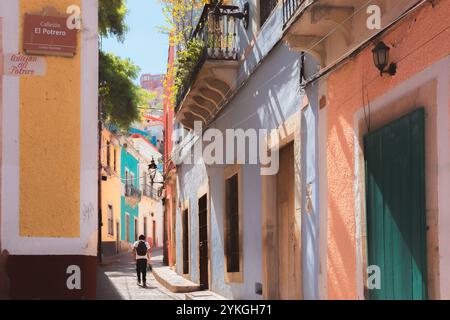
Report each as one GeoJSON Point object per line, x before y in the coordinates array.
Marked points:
{"type": "Point", "coordinates": [222, 103]}
{"type": "Point", "coordinates": [212, 118]}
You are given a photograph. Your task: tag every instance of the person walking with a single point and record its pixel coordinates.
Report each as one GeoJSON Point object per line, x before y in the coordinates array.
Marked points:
{"type": "Point", "coordinates": [140, 251]}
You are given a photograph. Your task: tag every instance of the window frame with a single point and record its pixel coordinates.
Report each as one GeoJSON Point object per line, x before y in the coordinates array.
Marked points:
{"type": "Point", "coordinates": [229, 172]}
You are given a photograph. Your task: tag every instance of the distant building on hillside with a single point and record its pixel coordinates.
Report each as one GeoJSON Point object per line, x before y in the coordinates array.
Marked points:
{"type": "Point", "coordinates": [154, 83]}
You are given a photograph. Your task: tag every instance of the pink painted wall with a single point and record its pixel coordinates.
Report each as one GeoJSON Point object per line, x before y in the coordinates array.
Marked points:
{"type": "Point", "coordinates": [416, 43]}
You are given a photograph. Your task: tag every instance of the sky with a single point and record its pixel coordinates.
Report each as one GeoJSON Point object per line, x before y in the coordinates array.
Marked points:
{"type": "Point", "coordinates": [144, 44]}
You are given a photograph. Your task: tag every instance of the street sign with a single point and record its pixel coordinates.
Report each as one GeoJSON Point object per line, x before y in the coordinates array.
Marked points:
{"type": "Point", "coordinates": [49, 35]}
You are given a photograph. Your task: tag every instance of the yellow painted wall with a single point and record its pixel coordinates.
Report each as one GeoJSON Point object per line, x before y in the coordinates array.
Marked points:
{"type": "Point", "coordinates": [111, 189]}
{"type": "Point", "coordinates": [50, 141]}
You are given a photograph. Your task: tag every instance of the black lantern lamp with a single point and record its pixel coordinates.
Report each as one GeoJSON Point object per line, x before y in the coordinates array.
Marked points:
{"type": "Point", "coordinates": [152, 167]}
{"type": "Point", "coordinates": [381, 59]}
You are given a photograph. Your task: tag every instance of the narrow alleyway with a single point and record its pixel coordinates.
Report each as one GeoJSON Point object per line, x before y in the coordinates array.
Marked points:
{"type": "Point", "coordinates": [117, 281]}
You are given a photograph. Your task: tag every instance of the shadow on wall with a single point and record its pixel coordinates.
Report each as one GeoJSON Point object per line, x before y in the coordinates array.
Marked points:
{"type": "Point", "coordinates": [341, 219]}
{"type": "Point", "coordinates": [341, 257]}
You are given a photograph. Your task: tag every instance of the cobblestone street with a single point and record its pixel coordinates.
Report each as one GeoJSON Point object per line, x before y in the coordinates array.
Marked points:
{"type": "Point", "coordinates": [117, 281]}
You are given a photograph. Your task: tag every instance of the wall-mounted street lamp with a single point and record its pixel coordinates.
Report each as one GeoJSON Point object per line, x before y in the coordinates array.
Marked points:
{"type": "Point", "coordinates": [244, 15]}
{"type": "Point", "coordinates": [381, 59]}
{"type": "Point", "coordinates": [152, 168]}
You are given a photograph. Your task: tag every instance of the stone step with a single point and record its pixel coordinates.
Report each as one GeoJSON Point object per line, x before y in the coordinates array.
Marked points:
{"type": "Point", "coordinates": [204, 295]}
{"type": "Point", "coordinates": [174, 282]}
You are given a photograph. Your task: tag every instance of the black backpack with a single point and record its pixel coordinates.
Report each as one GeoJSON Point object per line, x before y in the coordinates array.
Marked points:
{"type": "Point", "coordinates": [141, 249]}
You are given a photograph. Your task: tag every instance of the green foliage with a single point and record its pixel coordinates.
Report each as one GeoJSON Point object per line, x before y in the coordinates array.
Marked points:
{"type": "Point", "coordinates": [187, 62]}
{"type": "Point", "coordinates": [120, 98]}
{"type": "Point", "coordinates": [181, 17]}
{"type": "Point", "coordinates": [111, 18]}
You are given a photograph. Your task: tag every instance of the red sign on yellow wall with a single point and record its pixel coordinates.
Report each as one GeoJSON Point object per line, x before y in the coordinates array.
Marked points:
{"type": "Point", "coordinates": [48, 35]}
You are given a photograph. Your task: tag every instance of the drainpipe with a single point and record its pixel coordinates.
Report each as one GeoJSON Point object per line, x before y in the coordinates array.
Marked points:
{"type": "Point", "coordinates": [165, 235]}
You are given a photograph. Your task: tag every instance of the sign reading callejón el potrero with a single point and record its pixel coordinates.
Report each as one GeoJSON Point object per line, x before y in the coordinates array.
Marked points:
{"type": "Point", "coordinates": [48, 35]}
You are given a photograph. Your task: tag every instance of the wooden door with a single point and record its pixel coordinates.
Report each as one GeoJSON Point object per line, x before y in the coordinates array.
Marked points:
{"type": "Point", "coordinates": [289, 283]}
{"type": "Point", "coordinates": [395, 196]}
{"type": "Point", "coordinates": [203, 241]}
{"type": "Point", "coordinates": [155, 243]}
{"type": "Point", "coordinates": [127, 228]}
{"type": "Point", "coordinates": [185, 241]}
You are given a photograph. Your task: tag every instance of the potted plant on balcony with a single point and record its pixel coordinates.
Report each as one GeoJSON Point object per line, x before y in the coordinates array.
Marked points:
{"type": "Point", "coordinates": [187, 63]}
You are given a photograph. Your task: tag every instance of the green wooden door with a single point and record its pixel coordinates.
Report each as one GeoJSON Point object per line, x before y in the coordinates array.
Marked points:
{"type": "Point", "coordinates": [395, 198]}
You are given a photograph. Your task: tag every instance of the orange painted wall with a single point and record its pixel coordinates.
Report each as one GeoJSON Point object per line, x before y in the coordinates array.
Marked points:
{"type": "Point", "coordinates": [417, 42]}
{"type": "Point", "coordinates": [1, 117]}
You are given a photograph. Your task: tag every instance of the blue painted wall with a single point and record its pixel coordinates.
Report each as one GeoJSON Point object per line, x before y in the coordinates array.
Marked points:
{"type": "Point", "coordinates": [310, 176]}
{"type": "Point", "coordinates": [132, 164]}
{"type": "Point", "coordinates": [270, 96]}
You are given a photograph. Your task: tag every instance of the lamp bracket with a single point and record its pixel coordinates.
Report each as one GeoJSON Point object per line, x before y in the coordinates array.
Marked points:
{"type": "Point", "coordinates": [391, 70]}
{"type": "Point", "coordinates": [244, 15]}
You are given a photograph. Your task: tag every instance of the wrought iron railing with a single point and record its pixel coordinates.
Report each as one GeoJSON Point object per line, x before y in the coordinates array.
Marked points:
{"type": "Point", "coordinates": [290, 8]}
{"type": "Point", "coordinates": [266, 8]}
{"type": "Point", "coordinates": [131, 191]}
{"type": "Point", "coordinates": [217, 30]}
{"type": "Point", "coordinates": [151, 192]}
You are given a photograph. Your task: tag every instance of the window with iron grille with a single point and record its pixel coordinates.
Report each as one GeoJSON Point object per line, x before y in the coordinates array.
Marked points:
{"type": "Point", "coordinates": [110, 220]}
{"type": "Point", "coordinates": [265, 9]}
{"type": "Point", "coordinates": [108, 154]}
{"type": "Point", "coordinates": [232, 245]}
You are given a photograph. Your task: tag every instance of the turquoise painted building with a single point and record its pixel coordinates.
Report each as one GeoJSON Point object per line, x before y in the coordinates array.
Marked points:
{"type": "Point", "coordinates": [131, 197]}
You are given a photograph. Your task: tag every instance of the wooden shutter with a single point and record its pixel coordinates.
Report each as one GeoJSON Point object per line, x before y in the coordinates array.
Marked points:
{"type": "Point", "coordinates": [185, 241]}
{"type": "Point", "coordinates": [232, 221]}
{"type": "Point", "coordinates": [395, 196]}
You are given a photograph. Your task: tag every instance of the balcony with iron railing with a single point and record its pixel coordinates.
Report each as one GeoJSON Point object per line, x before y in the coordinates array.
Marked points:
{"type": "Point", "coordinates": [290, 7]}
{"type": "Point", "coordinates": [331, 30]}
{"type": "Point", "coordinates": [211, 78]}
{"type": "Point", "coordinates": [132, 194]}
{"type": "Point", "coordinates": [152, 192]}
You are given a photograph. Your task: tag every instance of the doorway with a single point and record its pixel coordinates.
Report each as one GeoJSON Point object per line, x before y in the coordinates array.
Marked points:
{"type": "Point", "coordinates": [155, 242]}
{"type": "Point", "coordinates": [289, 277]}
{"type": "Point", "coordinates": [185, 228]}
{"type": "Point", "coordinates": [395, 201]}
{"type": "Point", "coordinates": [136, 231]}
{"type": "Point", "coordinates": [127, 227]}
{"type": "Point", "coordinates": [117, 237]}
{"type": "Point", "coordinates": [203, 241]}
